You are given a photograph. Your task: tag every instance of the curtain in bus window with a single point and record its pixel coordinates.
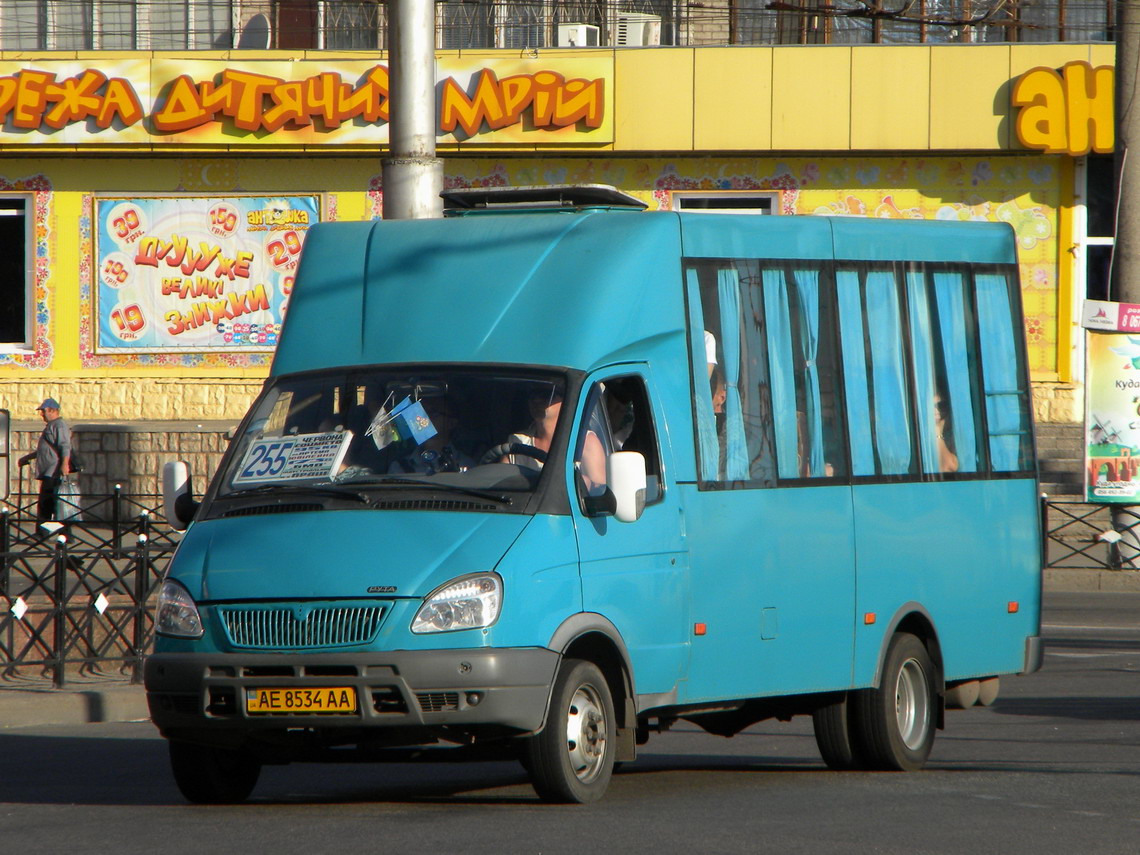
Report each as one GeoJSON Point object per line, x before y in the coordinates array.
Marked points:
{"type": "Point", "coordinates": [922, 346]}
{"type": "Point", "coordinates": [807, 288]}
{"type": "Point", "coordinates": [1000, 369]}
{"type": "Point", "coordinates": [782, 373]}
{"type": "Point", "coordinates": [758, 422]}
{"type": "Point", "coordinates": [736, 451]}
{"type": "Point", "coordinates": [888, 375]}
{"type": "Point", "coordinates": [702, 394]}
{"type": "Point", "coordinates": [855, 372]}
{"type": "Point", "coordinates": [950, 299]}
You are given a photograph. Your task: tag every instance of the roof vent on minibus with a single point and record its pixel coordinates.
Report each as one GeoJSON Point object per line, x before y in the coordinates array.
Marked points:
{"type": "Point", "coordinates": [553, 197]}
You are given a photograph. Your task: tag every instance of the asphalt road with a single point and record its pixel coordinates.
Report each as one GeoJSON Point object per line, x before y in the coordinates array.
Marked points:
{"type": "Point", "coordinates": [1052, 767]}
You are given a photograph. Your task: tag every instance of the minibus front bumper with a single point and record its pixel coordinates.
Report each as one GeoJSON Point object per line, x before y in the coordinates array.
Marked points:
{"type": "Point", "coordinates": [507, 688]}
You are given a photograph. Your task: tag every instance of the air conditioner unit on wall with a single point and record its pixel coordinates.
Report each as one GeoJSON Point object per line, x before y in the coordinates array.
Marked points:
{"type": "Point", "coordinates": [577, 35]}
{"type": "Point", "coordinates": [634, 29]}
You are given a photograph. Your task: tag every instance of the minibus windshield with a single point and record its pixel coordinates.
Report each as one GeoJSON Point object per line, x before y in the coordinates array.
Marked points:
{"type": "Point", "coordinates": [459, 430]}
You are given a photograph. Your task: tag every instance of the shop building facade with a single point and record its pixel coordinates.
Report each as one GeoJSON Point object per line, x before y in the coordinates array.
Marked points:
{"type": "Point", "coordinates": [153, 204]}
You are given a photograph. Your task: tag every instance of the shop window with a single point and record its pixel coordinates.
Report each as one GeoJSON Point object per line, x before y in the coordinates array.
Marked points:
{"type": "Point", "coordinates": [726, 202]}
{"type": "Point", "coordinates": [1093, 224]}
{"type": "Point", "coordinates": [116, 24]}
{"type": "Point", "coordinates": [336, 25]}
{"type": "Point", "coordinates": [15, 272]}
{"type": "Point", "coordinates": [466, 25]}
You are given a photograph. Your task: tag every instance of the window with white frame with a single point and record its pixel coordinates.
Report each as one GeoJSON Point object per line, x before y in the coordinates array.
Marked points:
{"type": "Point", "coordinates": [726, 202]}
{"type": "Point", "coordinates": [16, 253]}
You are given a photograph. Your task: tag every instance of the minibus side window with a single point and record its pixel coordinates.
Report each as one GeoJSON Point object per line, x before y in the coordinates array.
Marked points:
{"type": "Point", "coordinates": [731, 399]}
{"type": "Point", "coordinates": [945, 370]}
{"type": "Point", "coordinates": [1003, 370]}
{"type": "Point", "coordinates": [875, 372]}
{"type": "Point", "coordinates": [772, 412]}
{"type": "Point", "coordinates": [617, 418]}
{"type": "Point", "coordinates": [800, 311]}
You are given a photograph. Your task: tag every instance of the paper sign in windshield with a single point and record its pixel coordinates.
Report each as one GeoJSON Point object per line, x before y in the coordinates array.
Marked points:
{"type": "Point", "coordinates": [309, 456]}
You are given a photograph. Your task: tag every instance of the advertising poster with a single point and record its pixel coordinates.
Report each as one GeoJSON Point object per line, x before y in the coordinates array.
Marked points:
{"type": "Point", "coordinates": [182, 273]}
{"type": "Point", "coordinates": [1112, 434]}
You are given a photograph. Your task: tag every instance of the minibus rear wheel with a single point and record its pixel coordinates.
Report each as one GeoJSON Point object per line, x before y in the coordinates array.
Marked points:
{"type": "Point", "coordinates": [831, 721]}
{"type": "Point", "coordinates": [572, 758]}
{"type": "Point", "coordinates": [893, 725]}
{"type": "Point", "coordinates": [207, 775]}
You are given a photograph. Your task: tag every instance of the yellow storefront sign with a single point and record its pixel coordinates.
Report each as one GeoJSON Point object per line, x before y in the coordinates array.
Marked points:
{"type": "Point", "coordinates": [1068, 111]}
{"type": "Point", "coordinates": [207, 102]}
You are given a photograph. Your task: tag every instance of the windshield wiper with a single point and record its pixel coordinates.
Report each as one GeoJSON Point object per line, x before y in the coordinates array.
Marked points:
{"type": "Point", "coordinates": [436, 485]}
{"type": "Point", "coordinates": [331, 490]}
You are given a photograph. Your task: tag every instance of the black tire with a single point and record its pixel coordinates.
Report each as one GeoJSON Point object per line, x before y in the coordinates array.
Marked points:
{"type": "Point", "coordinates": [213, 776]}
{"type": "Point", "coordinates": [833, 734]}
{"type": "Point", "coordinates": [892, 726]}
{"type": "Point", "coordinates": [572, 759]}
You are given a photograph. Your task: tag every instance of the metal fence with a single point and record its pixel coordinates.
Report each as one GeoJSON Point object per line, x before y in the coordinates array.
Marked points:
{"type": "Point", "coordinates": [74, 596]}
{"type": "Point", "coordinates": [1074, 536]}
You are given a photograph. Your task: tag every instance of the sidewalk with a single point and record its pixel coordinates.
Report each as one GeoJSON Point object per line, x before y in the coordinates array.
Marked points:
{"type": "Point", "coordinates": [26, 703]}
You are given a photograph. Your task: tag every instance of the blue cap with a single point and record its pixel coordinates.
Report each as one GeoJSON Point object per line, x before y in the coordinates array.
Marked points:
{"type": "Point", "coordinates": [49, 404]}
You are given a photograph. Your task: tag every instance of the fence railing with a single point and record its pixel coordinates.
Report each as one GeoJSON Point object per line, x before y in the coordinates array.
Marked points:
{"type": "Point", "coordinates": [75, 597]}
{"type": "Point", "coordinates": [1079, 536]}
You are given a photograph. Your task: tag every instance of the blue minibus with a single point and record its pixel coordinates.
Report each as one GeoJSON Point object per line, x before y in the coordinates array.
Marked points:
{"type": "Point", "coordinates": [548, 475]}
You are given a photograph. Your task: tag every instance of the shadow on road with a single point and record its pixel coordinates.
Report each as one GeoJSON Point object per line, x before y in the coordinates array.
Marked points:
{"type": "Point", "coordinates": [1091, 708]}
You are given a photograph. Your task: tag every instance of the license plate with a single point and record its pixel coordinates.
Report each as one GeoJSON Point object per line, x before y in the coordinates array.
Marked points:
{"type": "Point", "coordinates": [336, 700]}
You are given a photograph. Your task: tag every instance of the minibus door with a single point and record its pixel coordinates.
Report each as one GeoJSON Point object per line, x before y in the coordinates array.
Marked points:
{"type": "Point", "coordinates": [635, 574]}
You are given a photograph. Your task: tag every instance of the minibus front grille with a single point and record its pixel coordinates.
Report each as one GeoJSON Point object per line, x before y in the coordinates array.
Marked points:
{"type": "Point", "coordinates": [278, 628]}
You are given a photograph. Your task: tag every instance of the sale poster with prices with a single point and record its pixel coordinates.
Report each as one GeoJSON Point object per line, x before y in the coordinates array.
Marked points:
{"type": "Point", "coordinates": [181, 273]}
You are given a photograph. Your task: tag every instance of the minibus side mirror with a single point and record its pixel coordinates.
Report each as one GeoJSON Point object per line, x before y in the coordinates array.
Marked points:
{"type": "Point", "coordinates": [178, 495]}
{"type": "Point", "coordinates": [625, 475]}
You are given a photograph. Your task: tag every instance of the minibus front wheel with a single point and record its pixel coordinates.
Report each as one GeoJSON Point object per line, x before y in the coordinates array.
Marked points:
{"type": "Point", "coordinates": [207, 775]}
{"type": "Point", "coordinates": [572, 758]}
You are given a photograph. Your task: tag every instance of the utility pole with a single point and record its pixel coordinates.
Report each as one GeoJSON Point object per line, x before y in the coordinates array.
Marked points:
{"type": "Point", "coordinates": [1125, 280]}
{"type": "Point", "coordinates": [412, 174]}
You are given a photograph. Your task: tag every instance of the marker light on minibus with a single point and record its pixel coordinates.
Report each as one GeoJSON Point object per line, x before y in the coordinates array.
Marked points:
{"type": "Point", "coordinates": [177, 613]}
{"type": "Point", "coordinates": [470, 602]}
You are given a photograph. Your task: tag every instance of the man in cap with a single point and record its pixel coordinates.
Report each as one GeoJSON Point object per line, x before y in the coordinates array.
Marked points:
{"type": "Point", "coordinates": [51, 456]}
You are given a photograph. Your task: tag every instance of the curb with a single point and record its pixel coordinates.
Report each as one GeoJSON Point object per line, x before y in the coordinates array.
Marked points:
{"type": "Point", "coordinates": [1075, 581]}
{"type": "Point", "coordinates": [29, 708]}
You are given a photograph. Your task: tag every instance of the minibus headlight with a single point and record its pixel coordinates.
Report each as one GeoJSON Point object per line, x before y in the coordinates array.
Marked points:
{"type": "Point", "coordinates": [177, 614]}
{"type": "Point", "coordinates": [471, 602]}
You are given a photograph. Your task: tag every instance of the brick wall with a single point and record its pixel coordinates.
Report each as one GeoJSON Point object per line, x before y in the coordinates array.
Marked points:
{"type": "Point", "coordinates": [706, 23]}
{"type": "Point", "coordinates": [122, 399]}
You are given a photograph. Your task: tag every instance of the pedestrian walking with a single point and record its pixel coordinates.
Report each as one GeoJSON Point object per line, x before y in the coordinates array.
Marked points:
{"type": "Point", "coordinates": [50, 458]}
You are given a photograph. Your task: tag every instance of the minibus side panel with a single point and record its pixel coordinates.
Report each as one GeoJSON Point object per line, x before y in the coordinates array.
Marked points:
{"type": "Point", "coordinates": [773, 575]}
{"type": "Point", "coordinates": [966, 590]}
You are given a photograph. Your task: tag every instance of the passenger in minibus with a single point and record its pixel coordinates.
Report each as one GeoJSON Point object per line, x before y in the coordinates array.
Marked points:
{"type": "Point", "coordinates": [943, 436]}
{"type": "Point", "coordinates": [438, 454]}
